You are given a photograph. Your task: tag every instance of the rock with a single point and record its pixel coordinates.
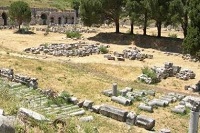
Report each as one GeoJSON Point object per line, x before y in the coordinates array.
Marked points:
{"type": "Point", "coordinates": [86, 119]}
{"type": "Point", "coordinates": [88, 104]}
{"type": "Point", "coordinates": [145, 122]}
{"type": "Point", "coordinates": [96, 108]}
{"type": "Point", "coordinates": [121, 100]}
{"type": "Point", "coordinates": [144, 107]}
{"type": "Point", "coordinates": [81, 112]}
{"type": "Point", "coordinates": [131, 117]}
{"type": "Point", "coordinates": [7, 124]}
{"type": "Point", "coordinates": [74, 100]}
{"type": "Point", "coordinates": [113, 112]}
{"type": "Point", "coordinates": [23, 112]}
{"type": "Point", "coordinates": [1, 112]}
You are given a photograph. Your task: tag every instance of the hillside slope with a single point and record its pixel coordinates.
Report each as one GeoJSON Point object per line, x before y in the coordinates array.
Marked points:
{"type": "Point", "coordinates": [59, 4]}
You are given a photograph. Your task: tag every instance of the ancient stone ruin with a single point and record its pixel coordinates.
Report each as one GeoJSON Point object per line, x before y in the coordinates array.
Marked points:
{"type": "Point", "coordinates": [43, 16]}
{"type": "Point", "coordinates": [131, 54]}
{"type": "Point", "coordinates": [169, 70]}
{"type": "Point", "coordinates": [67, 50]}
{"type": "Point", "coordinates": [193, 88]}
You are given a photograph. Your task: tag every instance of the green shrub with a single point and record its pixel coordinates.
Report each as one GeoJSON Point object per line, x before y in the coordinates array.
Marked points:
{"type": "Point", "coordinates": [151, 74]}
{"type": "Point", "coordinates": [73, 34]}
{"type": "Point", "coordinates": [172, 35]}
{"type": "Point", "coordinates": [39, 68]}
{"type": "Point", "coordinates": [103, 50]}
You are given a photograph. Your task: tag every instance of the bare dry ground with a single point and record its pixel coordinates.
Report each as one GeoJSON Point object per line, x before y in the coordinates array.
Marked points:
{"type": "Point", "coordinates": [86, 77]}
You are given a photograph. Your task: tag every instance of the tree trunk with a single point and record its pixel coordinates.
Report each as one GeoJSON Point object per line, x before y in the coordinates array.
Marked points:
{"type": "Point", "coordinates": [117, 25]}
{"type": "Point", "coordinates": [158, 25]}
{"type": "Point", "coordinates": [145, 24]}
{"type": "Point", "coordinates": [131, 27]}
{"type": "Point", "coordinates": [185, 24]}
{"type": "Point", "coordinates": [19, 27]}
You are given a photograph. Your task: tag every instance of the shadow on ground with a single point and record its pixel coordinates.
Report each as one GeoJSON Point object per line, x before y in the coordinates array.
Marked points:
{"type": "Point", "coordinates": [166, 44]}
{"type": "Point", "coordinates": [22, 31]}
{"type": "Point", "coordinates": [114, 38]}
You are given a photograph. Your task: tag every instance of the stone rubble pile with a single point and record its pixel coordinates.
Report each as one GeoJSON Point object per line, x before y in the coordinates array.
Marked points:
{"type": "Point", "coordinates": [67, 50]}
{"type": "Point", "coordinates": [129, 117]}
{"type": "Point", "coordinates": [66, 28]}
{"type": "Point", "coordinates": [131, 54]}
{"type": "Point", "coordinates": [26, 80]}
{"type": "Point", "coordinates": [169, 70]}
{"type": "Point", "coordinates": [127, 95]}
{"type": "Point", "coordinates": [186, 102]}
{"type": "Point", "coordinates": [193, 88]}
{"type": "Point", "coordinates": [190, 58]}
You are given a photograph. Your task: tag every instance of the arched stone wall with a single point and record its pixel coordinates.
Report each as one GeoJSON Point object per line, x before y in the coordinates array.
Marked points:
{"type": "Point", "coordinates": [44, 16]}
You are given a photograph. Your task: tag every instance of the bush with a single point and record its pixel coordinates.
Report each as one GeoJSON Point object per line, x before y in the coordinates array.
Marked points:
{"type": "Point", "coordinates": [73, 34]}
{"type": "Point", "coordinates": [151, 74]}
{"type": "Point", "coordinates": [172, 35]}
{"type": "Point", "coordinates": [103, 50]}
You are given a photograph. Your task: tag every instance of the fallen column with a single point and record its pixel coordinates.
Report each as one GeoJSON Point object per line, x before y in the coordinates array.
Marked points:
{"type": "Point", "coordinates": [145, 122]}
{"type": "Point", "coordinates": [113, 112]}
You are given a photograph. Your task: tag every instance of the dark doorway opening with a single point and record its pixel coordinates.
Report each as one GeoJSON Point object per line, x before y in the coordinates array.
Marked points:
{"type": "Point", "coordinates": [5, 18]}
{"type": "Point", "coordinates": [72, 20]}
{"type": "Point", "coordinates": [44, 19]}
{"type": "Point", "coordinates": [59, 20]}
{"type": "Point", "coordinates": [66, 20]}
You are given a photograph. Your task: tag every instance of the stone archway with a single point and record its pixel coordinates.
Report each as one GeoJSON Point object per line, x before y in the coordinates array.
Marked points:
{"type": "Point", "coordinates": [44, 19]}
{"type": "Point", "coordinates": [5, 18]}
{"type": "Point", "coordinates": [59, 20]}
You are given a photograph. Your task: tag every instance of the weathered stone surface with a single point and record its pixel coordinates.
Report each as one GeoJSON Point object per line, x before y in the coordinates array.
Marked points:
{"type": "Point", "coordinates": [145, 122]}
{"type": "Point", "coordinates": [74, 100]}
{"type": "Point", "coordinates": [131, 118]}
{"type": "Point", "coordinates": [1, 112]}
{"type": "Point", "coordinates": [121, 100]}
{"type": "Point", "coordinates": [81, 112]}
{"type": "Point", "coordinates": [113, 112]}
{"type": "Point", "coordinates": [107, 93]}
{"type": "Point", "coordinates": [180, 109]}
{"type": "Point", "coordinates": [88, 104]}
{"type": "Point", "coordinates": [7, 124]}
{"type": "Point", "coordinates": [86, 119]}
{"type": "Point", "coordinates": [23, 112]}
{"type": "Point", "coordinates": [144, 107]}
{"type": "Point", "coordinates": [96, 108]}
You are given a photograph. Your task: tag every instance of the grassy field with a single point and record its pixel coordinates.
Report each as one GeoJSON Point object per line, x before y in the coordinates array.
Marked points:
{"type": "Point", "coordinates": [60, 4]}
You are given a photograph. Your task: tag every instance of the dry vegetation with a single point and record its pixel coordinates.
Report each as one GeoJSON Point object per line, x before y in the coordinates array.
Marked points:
{"type": "Point", "coordinates": [86, 77]}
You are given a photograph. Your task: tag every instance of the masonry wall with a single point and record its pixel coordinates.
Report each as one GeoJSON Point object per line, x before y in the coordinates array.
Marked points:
{"type": "Point", "coordinates": [43, 16]}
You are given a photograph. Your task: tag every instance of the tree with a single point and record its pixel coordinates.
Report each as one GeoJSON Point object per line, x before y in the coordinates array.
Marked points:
{"type": "Point", "coordinates": [76, 5]}
{"type": "Point", "coordinates": [20, 11]}
{"type": "Point", "coordinates": [91, 12]}
{"type": "Point", "coordinates": [179, 13]}
{"type": "Point", "coordinates": [159, 10]}
{"type": "Point", "coordinates": [137, 11]}
{"type": "Point", "coordinates": [191, 43]}
{"type": "Point", "coordinates": [102, 10]}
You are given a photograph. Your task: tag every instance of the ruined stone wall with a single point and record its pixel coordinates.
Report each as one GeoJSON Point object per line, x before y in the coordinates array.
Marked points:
{"type": "Point", "coordinates": [43, 16]}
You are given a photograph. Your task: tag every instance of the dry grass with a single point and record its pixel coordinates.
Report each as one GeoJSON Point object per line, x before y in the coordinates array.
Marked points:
{"type": "Point", "coordinates": [86, 77]}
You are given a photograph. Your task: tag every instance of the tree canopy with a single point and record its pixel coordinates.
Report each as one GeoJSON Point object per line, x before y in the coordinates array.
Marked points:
{"type": "Point", "coordinates": [192, 41]}
{"type": "Point", "coordinates": [102, 10]}
{"type": "Point", "coordinates": [20, 11]}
